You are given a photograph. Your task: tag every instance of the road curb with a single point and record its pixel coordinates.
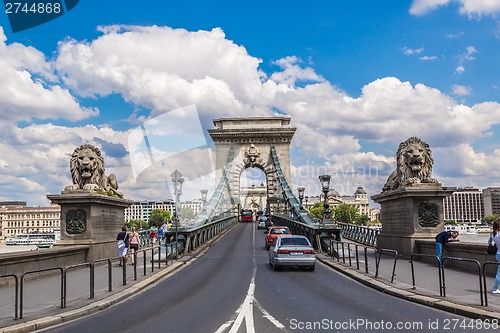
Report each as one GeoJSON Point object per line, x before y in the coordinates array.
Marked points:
{"type": "Point", "coordinates": [441, 304]}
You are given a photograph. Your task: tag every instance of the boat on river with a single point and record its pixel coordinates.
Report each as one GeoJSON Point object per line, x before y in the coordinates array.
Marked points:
{"type": "Point", "coordinates": [42, 240]}
{"type": "Point", "coordinates": [461, 228]}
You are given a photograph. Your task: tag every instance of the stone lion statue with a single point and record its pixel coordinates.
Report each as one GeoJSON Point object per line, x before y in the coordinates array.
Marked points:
{"type": "Point", "coordinates": [414, 165]}
{"type": "Point", "coordinates": [87, 171]}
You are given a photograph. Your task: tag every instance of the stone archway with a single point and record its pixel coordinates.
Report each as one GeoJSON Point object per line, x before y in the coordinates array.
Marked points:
{"type": "Point", "coordinates": [252, 139]}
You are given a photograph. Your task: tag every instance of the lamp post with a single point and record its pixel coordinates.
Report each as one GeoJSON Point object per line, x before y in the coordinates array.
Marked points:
{"type": "Point", "coordinates": [307, 199]}
{"type": "Point", "coordinates": [325, 187]}
{"type": "Point", "coordinates": [301, 195]}
{"type": "Point", "coordinates": [177, 180]}
{"type": "Point", "coordinates": [204, 199]}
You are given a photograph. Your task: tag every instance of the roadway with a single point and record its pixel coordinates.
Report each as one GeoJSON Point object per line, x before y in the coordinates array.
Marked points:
{"type": "Point", "coordinates": [232, 288]}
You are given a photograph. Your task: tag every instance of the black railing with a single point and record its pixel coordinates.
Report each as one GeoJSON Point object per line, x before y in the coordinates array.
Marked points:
{"type": "Point", "coordinates": [359, 233]}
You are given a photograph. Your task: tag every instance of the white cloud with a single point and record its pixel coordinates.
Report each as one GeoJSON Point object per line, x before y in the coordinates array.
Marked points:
{"type": "Point", "coordinates": [422, 7]}
{"type": "Point", "coordinates": [428, 58]}
{"type": "Point", "coordinates": [460, 69]}
{"type": "Point", "coordinates": [459, 90]}
{"type": "Point", "coordinates": [472, 8]}
{"type": "Point", "coordinates": [28, 90]}
{"type": "Point", "coordinates": [409, 51]}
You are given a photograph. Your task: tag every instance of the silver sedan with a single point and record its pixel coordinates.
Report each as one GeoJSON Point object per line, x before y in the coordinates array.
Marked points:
{"type": "Point", "coordinates": [292, 250]}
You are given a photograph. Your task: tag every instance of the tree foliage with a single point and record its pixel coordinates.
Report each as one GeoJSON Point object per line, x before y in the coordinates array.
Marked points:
{"type": "Point", "coordinates": [346, 213]}
{"type": "Point", "coordinates": [316, 211]}
{"type": "Point", "coordinates": [137, 224]}
{"type": "Point", "coordinates": [362, 220]}
{"type": "Point", "coordinates": [489, 219]}
{"type": "Point", "coordinates": [158, 216]}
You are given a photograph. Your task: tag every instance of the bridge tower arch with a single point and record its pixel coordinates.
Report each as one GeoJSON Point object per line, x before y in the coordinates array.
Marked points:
{"type": "Point", "coordinates": [251, 140]}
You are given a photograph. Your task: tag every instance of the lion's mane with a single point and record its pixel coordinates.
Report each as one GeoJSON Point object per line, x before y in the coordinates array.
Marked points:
{"type": "Point", "coordinates": [414, 165]}
{"type": "Point", "coordinates": [87, 172]}
{"type": "Point", "coordinates": [97, 173]}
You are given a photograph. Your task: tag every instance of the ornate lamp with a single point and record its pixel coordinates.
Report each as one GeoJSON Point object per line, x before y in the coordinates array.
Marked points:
{"type": "Point", "coordinates": [177, 180]}
{"type": "Point", "coordinates": [325, 187]}
{"type": "Point", "coordinates": [204, 198]}
{"type": "Point", "coordinates": [301, 195]}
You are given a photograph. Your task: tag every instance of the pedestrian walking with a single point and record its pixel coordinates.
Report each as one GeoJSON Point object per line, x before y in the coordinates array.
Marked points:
{"type": "Point", "coordinates": [134, 243]}
{"type": "Point", "coordinates": [160, 234]}
{"type": "Point", "coordinates": [443, 238]}
{"type": "Point", "coordinates": [123, 244]}
{"type": "Point", "coordinates": [495, 237]}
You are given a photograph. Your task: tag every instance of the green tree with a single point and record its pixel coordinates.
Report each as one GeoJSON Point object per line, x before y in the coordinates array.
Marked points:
{"type": "Point", "coordinates": [489, 219]}
{"type": "Point", "coordinates": [137, 224]}
{"type": "Point", "coordinates": [316, 211]}
{"type": "Point", "coordinates": [346, 213]}
{"type": "Point", "coordinates": [158, 216]}
{"type": "Point", "coordinates": [362, 220]}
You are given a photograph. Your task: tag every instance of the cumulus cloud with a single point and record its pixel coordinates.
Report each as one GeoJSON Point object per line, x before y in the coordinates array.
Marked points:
{"type": "Point", "coordinates": [459, 90]}
{"type": "Point", "coordinates": [29, 89]}
{"type": "Point", "coordinates": [472, 8]}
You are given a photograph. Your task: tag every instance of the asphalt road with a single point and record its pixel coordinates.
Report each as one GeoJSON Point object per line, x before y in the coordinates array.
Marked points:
{"type": "Point", "coordinates": [232, 288]}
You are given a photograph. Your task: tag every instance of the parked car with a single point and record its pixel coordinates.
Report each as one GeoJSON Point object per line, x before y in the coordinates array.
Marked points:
{"type": "Point", "coordinates": [292, 250]}
{"type": "Point", "coordinates": [274, 232]}
{"type": "Point", "coordinates": [261, 222]}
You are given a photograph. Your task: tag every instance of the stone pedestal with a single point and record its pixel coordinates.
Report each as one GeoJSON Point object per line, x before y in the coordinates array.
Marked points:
{"type": "Point", "coordinates": [91, 219]}
{"type": "Point", "coordinates": [410, 213]}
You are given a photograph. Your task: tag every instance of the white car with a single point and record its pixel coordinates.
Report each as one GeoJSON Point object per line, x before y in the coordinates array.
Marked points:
{"type": "Point", "coordinates": [292, 251]}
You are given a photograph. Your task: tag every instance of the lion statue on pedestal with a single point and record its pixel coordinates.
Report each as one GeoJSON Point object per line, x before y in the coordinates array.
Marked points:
{"type": "Point", "coordinates": [87, 171]}
{"type": "Point", "coordinates": [414, 165]}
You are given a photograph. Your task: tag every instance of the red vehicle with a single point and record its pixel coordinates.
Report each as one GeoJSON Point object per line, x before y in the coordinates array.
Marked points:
{"type": "Point", "coordinates": [274, 232]}
{"type": "Point", "coordinates": [246, 215]}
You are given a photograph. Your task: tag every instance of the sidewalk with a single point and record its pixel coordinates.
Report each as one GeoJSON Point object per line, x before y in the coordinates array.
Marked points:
{"type": "Point", "coordinates": [462, 288]}
{"type": "Point", "coordinates": [41, 305]}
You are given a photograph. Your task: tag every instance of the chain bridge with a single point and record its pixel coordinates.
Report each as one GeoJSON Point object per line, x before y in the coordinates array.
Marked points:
{"type": "Point", "coordinates": [263, 143]}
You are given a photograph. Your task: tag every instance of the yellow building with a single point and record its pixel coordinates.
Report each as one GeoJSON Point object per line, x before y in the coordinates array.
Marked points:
{"type": "Point", "coordinates": [18, 219]}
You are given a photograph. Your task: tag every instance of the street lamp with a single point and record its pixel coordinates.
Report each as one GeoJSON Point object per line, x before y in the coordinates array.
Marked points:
{"type": "Point", "coordinates": [325, 187]}
{"type": "Point", "coordinates": [204, 198]}
{"type": "Point", "coordinates": [307, 199]}
{"type": "Point", "coordinates": [301, 195]}
{"type": "Point", "coordinates": [177, 180]}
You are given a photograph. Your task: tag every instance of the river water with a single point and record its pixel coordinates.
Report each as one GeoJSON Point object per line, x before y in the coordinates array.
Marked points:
{"type": "Point", "coordinates": [475, 238]}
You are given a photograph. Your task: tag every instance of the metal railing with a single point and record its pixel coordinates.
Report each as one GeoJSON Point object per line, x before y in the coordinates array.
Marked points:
{"type": "Point", "coordinates": [464, 260]}
{"type": "Point", "coordinates": [341, 248]}
{"type": "Point", "coordinates": [16, 286]}
{"type": "Point", "coordinates": [395, 253]}
{"type": "Point", "coordinates": [438, 266]}
{"type": "Point", "coordinates": [359, 233]}
{"type": "Point", "coordinates": [485, 289]}
{"type": "Point", "coordinates": [156, 250]}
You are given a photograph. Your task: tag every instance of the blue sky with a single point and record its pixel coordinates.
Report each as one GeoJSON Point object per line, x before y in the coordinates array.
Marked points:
{"type": "Point", "coordinates": [357, 78]}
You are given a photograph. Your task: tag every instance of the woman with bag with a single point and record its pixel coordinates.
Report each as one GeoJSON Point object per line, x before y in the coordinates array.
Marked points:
{"type": "Point", "coordinates": [123, 241]}
{"type": "Point", "coordinates": [495, 237]}
{"type": "Point", "coordinates": [134, 243]}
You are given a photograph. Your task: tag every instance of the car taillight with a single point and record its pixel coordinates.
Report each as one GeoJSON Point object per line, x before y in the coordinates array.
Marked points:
{"type": "Point", "coordinates": [283, 251]}
{"type": "Point", "coordinates": [309, 252]}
